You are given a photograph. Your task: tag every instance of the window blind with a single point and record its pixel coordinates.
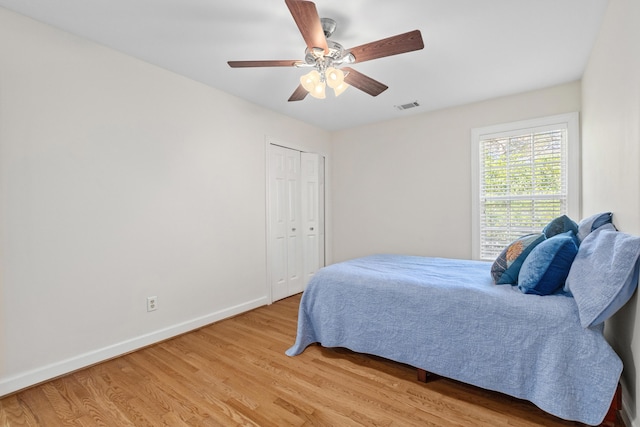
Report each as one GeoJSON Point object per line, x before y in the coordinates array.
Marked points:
{"type": "Point", "coordinates": [523, 184]}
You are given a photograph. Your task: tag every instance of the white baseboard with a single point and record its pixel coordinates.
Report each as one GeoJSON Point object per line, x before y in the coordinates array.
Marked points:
{"type": "Point", "coordinates": [45, 373]}
{"type": "Point", "coordinates": [625, 408]}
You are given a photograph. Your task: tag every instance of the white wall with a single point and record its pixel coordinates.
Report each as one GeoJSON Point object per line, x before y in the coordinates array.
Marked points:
{"type": "Point", "coordinates": [611, 158]}
{"type": "Point", "coordinates": [118, 181]}
{"type": "Point", "coordinates": [404, 186]}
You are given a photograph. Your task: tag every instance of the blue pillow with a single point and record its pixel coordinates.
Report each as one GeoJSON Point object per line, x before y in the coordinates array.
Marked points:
{"type": "Point", "coordinates": [560, 225]}
{"type": "Point", "coordinates": [546, 268]}
{"type": "Point", "coordinates": [604, 274]}
{"type": "Point", "coordinates": [592, 223]}
{"type": "Point", "coordinates": [506, 267]}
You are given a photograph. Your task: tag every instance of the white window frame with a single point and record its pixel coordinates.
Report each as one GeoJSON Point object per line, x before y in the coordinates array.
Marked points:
{"type": "Point", "coordinates": [570, 121]}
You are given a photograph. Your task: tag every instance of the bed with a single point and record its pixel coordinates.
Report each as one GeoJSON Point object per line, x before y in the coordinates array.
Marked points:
{"type": "Point", "coordinates": [448, 317]}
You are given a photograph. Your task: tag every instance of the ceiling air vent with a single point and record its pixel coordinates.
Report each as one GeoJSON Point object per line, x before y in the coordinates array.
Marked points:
{"type": "Point", "coordinates": [407, 106]}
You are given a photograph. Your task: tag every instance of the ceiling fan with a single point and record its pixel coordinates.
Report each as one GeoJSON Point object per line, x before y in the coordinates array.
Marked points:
{"type": "Point", "coordinates": [327, 58]}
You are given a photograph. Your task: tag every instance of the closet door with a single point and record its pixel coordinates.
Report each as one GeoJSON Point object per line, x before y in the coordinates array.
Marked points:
{"type": "Point", "coordinates": [312, 171]}
{"type": "Point", "coordinates": [286, 249]}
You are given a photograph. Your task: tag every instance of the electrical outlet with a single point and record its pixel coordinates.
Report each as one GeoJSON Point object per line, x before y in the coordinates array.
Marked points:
{"type": "Point", "coordinates": [152, 303]}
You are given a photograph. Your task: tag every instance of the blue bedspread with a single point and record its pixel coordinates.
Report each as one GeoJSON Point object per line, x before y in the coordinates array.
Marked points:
{"type": "Point", "coordinates": [446, 316]}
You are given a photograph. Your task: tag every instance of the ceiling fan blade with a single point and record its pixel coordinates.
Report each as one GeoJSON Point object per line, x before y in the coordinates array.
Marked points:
{"type": "Point", "coordinates": [299, 94]}
{"type": "Point", "coordinates": [362, 82]}
{"type": "Point", "coordinates": [306, 16]}
{"type": "Point", "coordinates": [395, 45]}
{"type": "Point", "coordinates": [274, 63]}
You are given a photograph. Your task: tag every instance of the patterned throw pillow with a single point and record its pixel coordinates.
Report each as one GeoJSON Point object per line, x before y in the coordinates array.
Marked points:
{"type": "Point", "coordinates": [506, 267]}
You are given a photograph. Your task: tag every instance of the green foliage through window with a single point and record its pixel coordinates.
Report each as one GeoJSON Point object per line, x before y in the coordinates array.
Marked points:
{"type": "Point", "coordinates": [523, 186]}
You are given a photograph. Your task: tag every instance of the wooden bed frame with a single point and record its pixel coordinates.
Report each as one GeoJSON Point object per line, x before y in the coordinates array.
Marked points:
{"type": "Point", "coordinates": [610, 420]}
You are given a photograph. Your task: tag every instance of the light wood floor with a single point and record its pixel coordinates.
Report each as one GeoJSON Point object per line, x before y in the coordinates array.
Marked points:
{"type": "Point", "coordinates": [235, 372]}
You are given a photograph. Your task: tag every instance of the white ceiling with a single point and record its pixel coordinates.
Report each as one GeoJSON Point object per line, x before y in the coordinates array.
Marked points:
{"type": "Point", "coordinates": [474, 49]}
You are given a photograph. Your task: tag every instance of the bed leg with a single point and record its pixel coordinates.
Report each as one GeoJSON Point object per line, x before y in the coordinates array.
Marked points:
{"type": "Point", "coordinates": [424, 376]}
{"type": "Point", "coordinates": [611, 419]}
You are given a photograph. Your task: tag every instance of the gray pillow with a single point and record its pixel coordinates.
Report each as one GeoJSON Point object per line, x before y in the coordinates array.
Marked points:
{"type": "Point", "coordinates": [592, 223]}
{"type": "Point", "coordinates": [604, 274]}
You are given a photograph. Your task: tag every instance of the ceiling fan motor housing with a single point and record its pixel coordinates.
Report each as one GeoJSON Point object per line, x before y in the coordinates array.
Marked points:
{"type": "Point", "coordinates": [328, 26]}
{"type": "Point", "coordinates": [337, 54]}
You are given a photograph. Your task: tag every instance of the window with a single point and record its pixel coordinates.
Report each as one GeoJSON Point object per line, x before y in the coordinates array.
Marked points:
{"type": "Point", "coordinates": [524, 175]}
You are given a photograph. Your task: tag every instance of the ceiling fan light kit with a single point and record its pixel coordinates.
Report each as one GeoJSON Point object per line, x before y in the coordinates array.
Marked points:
{"type": "Point", "coordinates": [326, 56]}
{"type": "Point", "coordinates": [314, 82]}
